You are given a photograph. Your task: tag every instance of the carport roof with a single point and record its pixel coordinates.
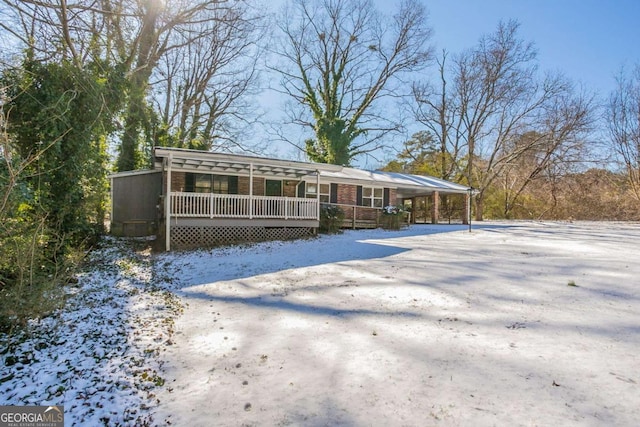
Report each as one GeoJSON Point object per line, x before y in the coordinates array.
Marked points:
{"type": "Point", "coordinates": [407, 185]}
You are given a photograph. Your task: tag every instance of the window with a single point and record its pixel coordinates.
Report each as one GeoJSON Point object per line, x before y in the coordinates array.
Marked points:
{"type": "Point", "coordinates": [372, 196]}
{"type": "Point", "coordinates": [218, 184]}
{"type": "Point", "coordinates": [273, 187]}
{"type": "Point", "coordinates": [325, 191]}
{"type": "Point", "coordinates": [202, 183]}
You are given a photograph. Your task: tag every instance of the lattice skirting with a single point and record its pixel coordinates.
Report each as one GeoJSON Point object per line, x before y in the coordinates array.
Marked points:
{"type": "Point", "coordinates": [187, 237]}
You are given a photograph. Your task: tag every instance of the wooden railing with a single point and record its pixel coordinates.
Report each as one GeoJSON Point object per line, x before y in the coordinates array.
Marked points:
{"type": "Point", "coordinates": [367, 217]}
{"type": "Point", "coordinates": [205, 205]}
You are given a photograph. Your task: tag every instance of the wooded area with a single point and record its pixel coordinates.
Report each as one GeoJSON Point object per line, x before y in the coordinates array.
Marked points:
{"type": "Point", "coordinates": [88, 87]}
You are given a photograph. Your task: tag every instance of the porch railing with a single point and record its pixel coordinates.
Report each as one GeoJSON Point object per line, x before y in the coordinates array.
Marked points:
{"type": "Point", "coordinates": [205, 205]}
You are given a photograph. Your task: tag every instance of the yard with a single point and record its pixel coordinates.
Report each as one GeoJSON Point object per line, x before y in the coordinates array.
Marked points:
{"type": "Point", "coordinates": [511, 324]}
{"type": "Point", "coordinates": [523, 323]}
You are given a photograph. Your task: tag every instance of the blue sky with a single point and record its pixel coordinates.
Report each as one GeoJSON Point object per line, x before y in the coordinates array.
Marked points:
{"type": "Point", "coordinates": [588, 40]}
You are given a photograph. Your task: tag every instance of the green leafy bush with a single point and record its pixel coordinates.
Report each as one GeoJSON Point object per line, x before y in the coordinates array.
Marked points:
{"type": "Point", "coordinates": [53, 180]}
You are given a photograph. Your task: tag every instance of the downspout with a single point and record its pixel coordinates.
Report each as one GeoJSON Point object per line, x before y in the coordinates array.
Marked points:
{"type": "Point", "coordinates": [167, 206]}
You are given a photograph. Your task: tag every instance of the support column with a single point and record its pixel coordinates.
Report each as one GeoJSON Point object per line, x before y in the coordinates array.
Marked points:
{"type": "Point", "coordinates": [317, 193]}
{"type": "Point", "coordinates": [167, 206]}
{"type": "Point", "coordinates": [467, 208]}
{"type": "Point", "coordinates": [435, 207]}
{"type": "Point", "coordinates": [426, 211]}
{"type": "Point", "coordinates": [250, 190]}
{"type": "Point", "coordinates": [414, 210]}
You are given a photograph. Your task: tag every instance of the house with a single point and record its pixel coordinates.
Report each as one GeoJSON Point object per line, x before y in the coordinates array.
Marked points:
{"type": "Point", "coordinates": [194, 198]}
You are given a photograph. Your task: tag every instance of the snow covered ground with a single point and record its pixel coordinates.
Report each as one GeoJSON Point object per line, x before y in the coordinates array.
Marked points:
{"type": "Point", "coordinates": [100, 356]}
{"type": "Point", "coordinates": [523, 323]}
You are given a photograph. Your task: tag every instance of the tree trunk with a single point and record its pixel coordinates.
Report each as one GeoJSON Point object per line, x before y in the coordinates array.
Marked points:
{"type": "Point", "coordinates": [479, 201]}
{"type": "Point", "coordinates": [147, 58]}
{"type": "Point", "coordinates": [129, 157]}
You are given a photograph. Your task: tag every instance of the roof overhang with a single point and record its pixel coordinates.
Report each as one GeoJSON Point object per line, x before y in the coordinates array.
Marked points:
{"type": "Point", "coordinates": [231, 164]}
{"type": "Point", "coordinates": [418, 185]}
{"type": "Point", "coordinates": [407, 185]}
{"type": "Point", "coordinates": [132, 173]}
{"type": "Point", "coordinates": [197, 161]}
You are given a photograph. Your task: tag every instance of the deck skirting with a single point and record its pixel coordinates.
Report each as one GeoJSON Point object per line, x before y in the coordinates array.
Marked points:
{"type": "Point", "coordinates": [199, 236]}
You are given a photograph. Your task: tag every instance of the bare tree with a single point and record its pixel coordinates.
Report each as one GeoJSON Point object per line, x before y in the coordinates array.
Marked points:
{"type": "Point", "coordinates": [437, 109]}
{"type": "Point", "coordinates": [497, 92]}
{"type": "Point", "coordinates": [341, 61]}
{"type": "Point", "coordinates": [132, 36]}
{"type": "Point", "coordinates": [556, 148]}
{"type": "Point", "coordinates": [158, 27]}
{"type": "Point", "coordinates": [623, 116]}
{"type": "Point", "coordinates": [494, 96]}
{"type": "Point", "coordinates": [201, 87]}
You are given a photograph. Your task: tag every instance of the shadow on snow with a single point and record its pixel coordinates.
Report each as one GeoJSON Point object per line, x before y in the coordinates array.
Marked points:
{"type": "Point", "coordinates": [192, 268]}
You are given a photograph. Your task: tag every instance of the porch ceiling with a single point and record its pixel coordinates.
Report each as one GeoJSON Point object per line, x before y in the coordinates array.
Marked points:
{"type": "Point", "coordinates": [230, 164]}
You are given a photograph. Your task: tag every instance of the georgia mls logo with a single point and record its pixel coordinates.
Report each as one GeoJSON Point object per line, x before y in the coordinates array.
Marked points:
{"type": "Point", "coordinates": [55, 409]}
{"type": "Point", "coordinates": [31, 416]}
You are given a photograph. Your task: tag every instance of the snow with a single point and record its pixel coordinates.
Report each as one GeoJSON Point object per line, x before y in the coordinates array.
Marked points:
{"type": "Point", "coordinates": [430, 325]}
{"type": "Point", "coordinates": [99, 357]}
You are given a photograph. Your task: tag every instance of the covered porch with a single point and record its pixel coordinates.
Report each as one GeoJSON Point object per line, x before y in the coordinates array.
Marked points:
{"type": "Point", "coordinates": [240, 198]}
{"type": "Point", "coordinates": [237, 206]}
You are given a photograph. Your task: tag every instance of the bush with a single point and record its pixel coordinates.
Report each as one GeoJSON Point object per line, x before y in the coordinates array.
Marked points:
{"type": "Point", "coordinates": [53, 185]}
{"type": "Point", "coordinates": [30, 278]}
{"type": "Point", "coordinates": [331, 218]}
{"type": "Point", "coordinates": [392, 217]}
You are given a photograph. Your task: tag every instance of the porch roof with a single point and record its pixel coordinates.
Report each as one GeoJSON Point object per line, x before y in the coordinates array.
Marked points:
{"type": "Point", "coordinates": [407, 185]}
{"type": "Point", "coordinates": [232, 164]}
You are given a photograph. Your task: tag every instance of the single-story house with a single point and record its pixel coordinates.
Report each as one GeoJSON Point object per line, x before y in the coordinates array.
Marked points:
{"type": "Point", "coordinates": [194, 198]}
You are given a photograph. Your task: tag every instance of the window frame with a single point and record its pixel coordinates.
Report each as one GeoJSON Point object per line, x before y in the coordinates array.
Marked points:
{"type": "Point", "coordinates": [325, 191]}
{"type": "Point", "coordinates": [269, 185]}
{"type": "Point", "coordinates": [371, 199]}
{"type": "Point", "coordinates": [213, 183]}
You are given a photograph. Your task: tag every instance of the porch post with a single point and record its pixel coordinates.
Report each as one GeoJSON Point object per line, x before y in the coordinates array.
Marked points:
{"type": "Point", "coordinates": [414, 210]}
{"type": "Point", "coordinates": [426, 213]}
{"type": "Point", "coordinates": [466, 219]}
{"type": "Point", "coordinates": [167, 206]}
{"type": "Point", "coordinates": [318, 194]}
{"type": "Point", "coordinates": [435, 208]}
{"type": "Point", "coordinates": [353, 220]}
{"type": "Point", "coordinates": [250, 190]}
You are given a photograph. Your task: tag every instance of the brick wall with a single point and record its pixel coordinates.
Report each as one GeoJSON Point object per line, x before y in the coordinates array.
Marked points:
{"type": "Point", "coordinates": [178, 181]}
{"type": "Point", "coordinates": [243, 186]}
{"type": "Point", "coordinates": [289, 188]}
{"type": "Point", "coordinates": [347, 194]}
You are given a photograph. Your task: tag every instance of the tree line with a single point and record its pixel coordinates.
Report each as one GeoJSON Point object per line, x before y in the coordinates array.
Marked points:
{"type": "Point", "coordinates": [520, 139]}
{"type": "Point", "coordinates": [88, 87]}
